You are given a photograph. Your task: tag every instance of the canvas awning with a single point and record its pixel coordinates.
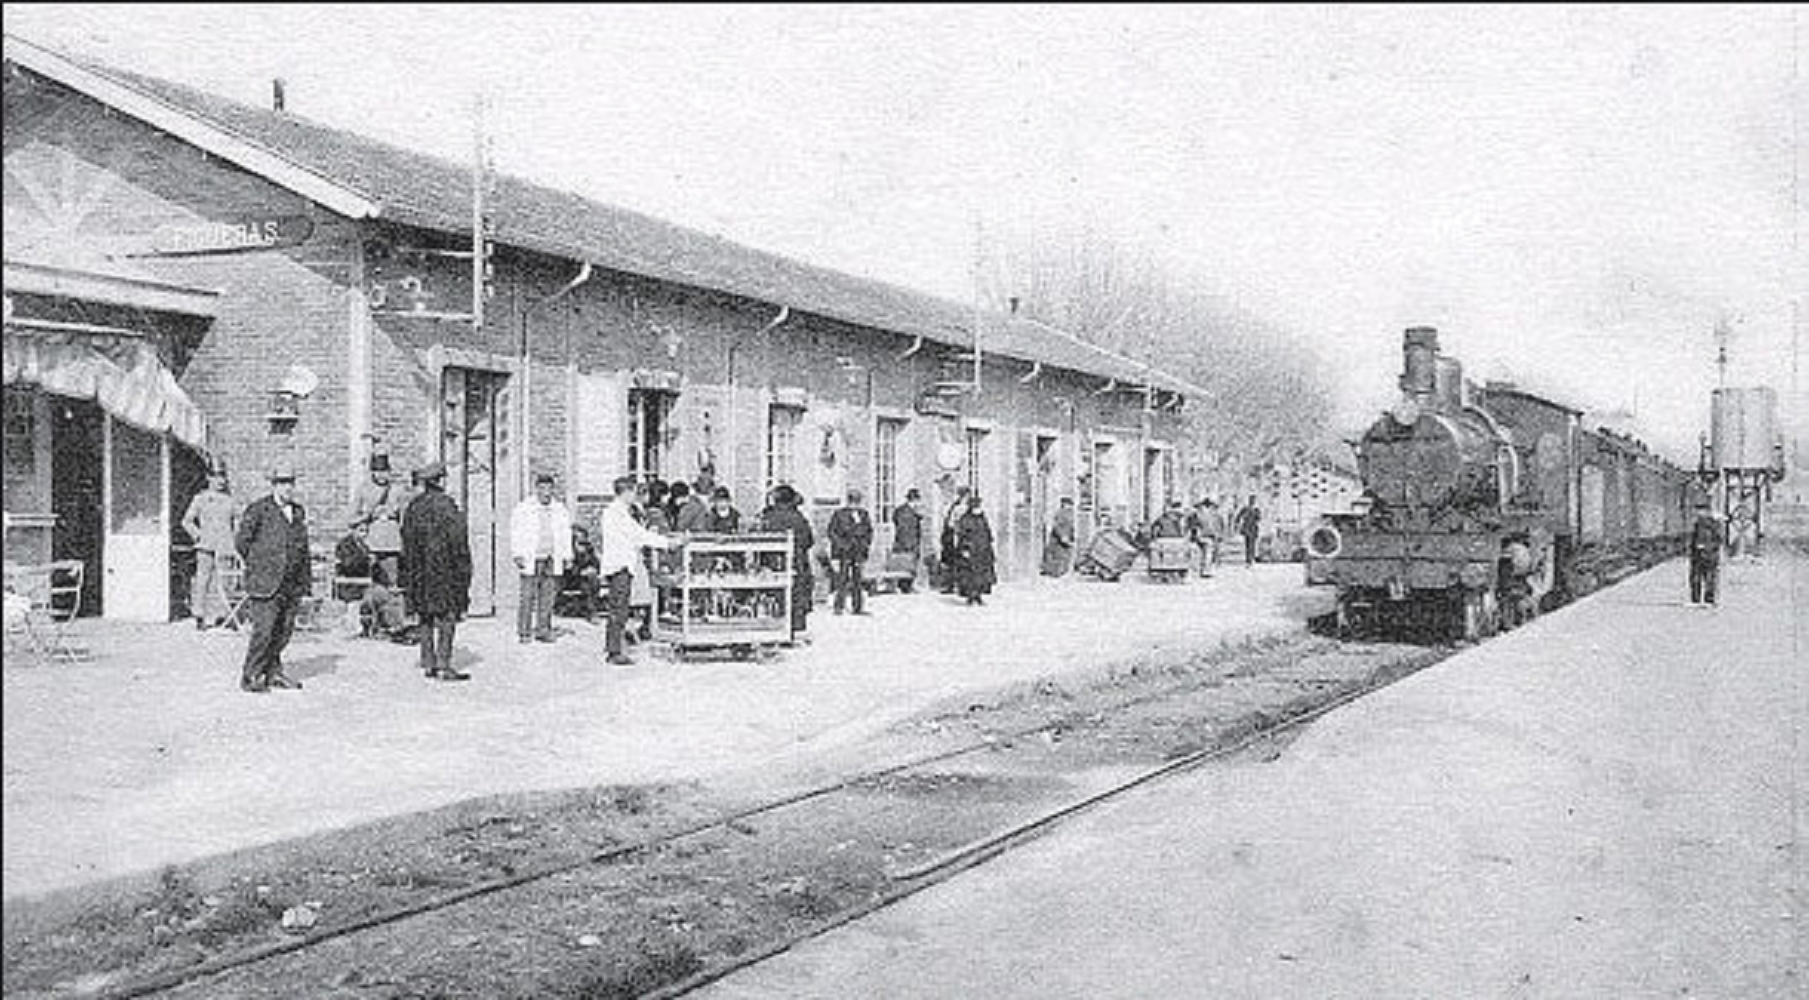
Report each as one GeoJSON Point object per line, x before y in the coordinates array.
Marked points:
{"type": "Point", "coordinates": [121, 373]}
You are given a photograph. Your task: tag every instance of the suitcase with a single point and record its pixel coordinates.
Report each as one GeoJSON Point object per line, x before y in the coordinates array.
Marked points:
{"type": "Point", "coordinates": [1109, 554]}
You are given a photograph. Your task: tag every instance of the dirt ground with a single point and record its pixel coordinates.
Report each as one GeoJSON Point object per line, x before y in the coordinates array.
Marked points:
{"type": "Point", "coordinates": [632, 920]}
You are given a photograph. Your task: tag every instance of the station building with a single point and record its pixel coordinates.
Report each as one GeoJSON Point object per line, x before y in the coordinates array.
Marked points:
{"type": "Point", "coordinates": [193, 280]}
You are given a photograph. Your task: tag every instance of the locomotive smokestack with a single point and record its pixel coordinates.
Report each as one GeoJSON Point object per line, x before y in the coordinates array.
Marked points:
{"type": "Point", "coordinates": [1419, 373]}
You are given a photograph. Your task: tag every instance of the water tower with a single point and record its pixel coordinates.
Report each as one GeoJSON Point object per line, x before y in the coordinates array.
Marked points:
{"type": "Point", "coordinates": [1744, 455]}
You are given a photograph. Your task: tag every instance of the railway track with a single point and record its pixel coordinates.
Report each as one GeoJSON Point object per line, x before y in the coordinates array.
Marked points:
{"type": "Point", "coordinates": [1322, 697]}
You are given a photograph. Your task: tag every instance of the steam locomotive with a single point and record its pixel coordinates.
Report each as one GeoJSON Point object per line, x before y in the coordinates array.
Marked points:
{"type": "Point", "coordinates": [1484, 506]}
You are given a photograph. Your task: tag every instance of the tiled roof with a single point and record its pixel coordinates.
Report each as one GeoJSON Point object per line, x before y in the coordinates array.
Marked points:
{"type": "Point", "coordinates": [426, 191]}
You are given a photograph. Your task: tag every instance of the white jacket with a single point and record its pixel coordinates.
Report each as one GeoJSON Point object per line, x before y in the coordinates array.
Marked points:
{"type": "Point", "coordinates": [524, 534]}
{"type": "Point", "coordinates": [623, 539]}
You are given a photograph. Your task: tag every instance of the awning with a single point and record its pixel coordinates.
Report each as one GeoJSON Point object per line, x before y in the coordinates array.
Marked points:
{"type": "Point", "coordinates": [123, 375]}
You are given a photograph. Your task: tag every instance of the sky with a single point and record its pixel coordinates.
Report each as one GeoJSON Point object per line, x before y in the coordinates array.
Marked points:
{"type": "Point", "coordinates": [1576, 196]}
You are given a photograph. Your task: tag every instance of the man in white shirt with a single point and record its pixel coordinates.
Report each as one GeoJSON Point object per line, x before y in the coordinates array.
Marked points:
{"type": "Point", "coordinates": [540, 539]}
{"type": "Point", "coordinates": [618, 549]}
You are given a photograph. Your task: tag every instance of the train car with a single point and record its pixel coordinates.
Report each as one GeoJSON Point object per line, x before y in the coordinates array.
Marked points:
{"type": "Point", "coordinates": [1484, 506]}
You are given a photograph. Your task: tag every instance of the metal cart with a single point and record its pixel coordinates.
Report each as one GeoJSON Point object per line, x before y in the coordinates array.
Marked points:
{"type": "Point", "coordinates": [1171, 558]}
{"type": "Point", "coordinates": [724, 592]}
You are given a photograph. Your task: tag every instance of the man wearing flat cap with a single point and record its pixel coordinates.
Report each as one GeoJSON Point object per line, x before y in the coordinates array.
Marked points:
{"type": "Point", "coordinates": [436, 569]}
{"type": "Point", "coordinates": [273, 540]}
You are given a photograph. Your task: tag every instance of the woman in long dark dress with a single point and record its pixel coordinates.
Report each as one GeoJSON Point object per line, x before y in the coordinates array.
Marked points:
{"type": "Point", "coordinates": [973, 542]}
{"type": "Point", "coordinates": [784, 515]}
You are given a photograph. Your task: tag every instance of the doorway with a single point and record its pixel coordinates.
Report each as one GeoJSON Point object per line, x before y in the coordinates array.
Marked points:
{"type": "Point", "coordinates": [77, 447]}
{"type": "Point", "coordinates": [480, 455]}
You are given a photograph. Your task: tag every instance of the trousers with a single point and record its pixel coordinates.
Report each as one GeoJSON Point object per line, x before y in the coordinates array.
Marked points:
{"type": "Point", "coordinates": [436, 642]}
{"type": "Point", "coordinates": [849, 585]}
{"type": "Point", "coordinates": [272, 623]}
{"type": "Point", "coordinates": [1705, 572]}
{"type": "Point", "coordinates": [619, 586]}
{"type": "Point", "coordinates": [534, 611]}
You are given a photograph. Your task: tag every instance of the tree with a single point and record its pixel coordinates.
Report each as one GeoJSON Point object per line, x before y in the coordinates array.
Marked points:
{"type": "Point", "coordinates": [1268, 397]}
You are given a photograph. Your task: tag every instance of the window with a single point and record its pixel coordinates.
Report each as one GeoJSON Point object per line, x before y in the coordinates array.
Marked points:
{"type": "Point", "coordinates": [649, 412]}
{"type": "Point", "coordinates": [781, 444]}
{"type": "Point", "coordinates": [885, 466]}
{"type": "Point", "coordinates": [21, 435]}
{"type": "Point", "coordinates": [976, 449]}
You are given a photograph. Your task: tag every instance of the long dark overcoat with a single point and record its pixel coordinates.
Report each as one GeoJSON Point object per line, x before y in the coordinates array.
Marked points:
{"type": "Point", "coordinates": [436, 556]}
{"type": "Point", "coordinates": [976, 572]}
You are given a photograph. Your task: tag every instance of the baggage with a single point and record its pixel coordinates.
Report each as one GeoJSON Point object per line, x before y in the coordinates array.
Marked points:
{"type": "Point", "coordinates": [1109, 554]}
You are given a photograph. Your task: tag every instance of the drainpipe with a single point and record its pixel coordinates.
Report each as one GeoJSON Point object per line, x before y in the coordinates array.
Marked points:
{"type": "Point", "coordinates": [527, 379]}
{"type": "Point", "coordinates": [734, 421]}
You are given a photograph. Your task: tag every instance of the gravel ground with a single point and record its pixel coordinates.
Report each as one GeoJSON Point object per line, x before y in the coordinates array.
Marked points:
{"type": "Point", "coordinates": [147, 754]}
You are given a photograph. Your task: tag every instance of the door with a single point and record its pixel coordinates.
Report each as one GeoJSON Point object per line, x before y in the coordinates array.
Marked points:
{"type": "Point", "coordinates": [480, 476]}
{"type": "Point", "coordinates": [137, 567]}
{"type": "Point", "coordinates": [77, 496]}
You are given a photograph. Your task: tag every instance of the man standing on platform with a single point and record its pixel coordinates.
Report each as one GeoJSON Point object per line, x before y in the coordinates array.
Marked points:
{"type": "Point", "coordinates": [540, 539]}
{"type": "Point", "coordinates": [1249, 523]}
{"type": "Point", "coordinates": [619, 549]}
{"type": "Point", "coordinates": [212, 520]}
{"type": "Point", "coordinates": [436, 569]}
{"type": "Point", "coordinates": [907, 536]}
{"type": "Point", "coordinates": [1706, 540]}
{"type": "Point", "coordinates": [273, 541]}
{"type": "Point", "coordinates": [850, 540]}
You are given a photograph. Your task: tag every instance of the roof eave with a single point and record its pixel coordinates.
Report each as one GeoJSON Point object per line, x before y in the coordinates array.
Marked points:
{"type": "Point", "coordinates": [190, 129]}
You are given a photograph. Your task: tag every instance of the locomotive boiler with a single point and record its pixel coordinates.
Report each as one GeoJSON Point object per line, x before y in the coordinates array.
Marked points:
{"type": "Point", "coordinates": [1482, 506]}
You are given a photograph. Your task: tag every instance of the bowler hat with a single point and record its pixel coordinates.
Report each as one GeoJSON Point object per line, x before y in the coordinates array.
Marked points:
{"type": "Point", "coordinates": [282, 472]}
{"type": "Point", "coordinates": [430, 472]}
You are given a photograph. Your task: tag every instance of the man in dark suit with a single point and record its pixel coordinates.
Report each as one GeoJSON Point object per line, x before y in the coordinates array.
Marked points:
{"type": "Point", "coordinates": [1707, 536]}
{"type": "Point", "coordinates": [850, 539]}
{"type": "Point", "coordinates": [273, 541]}
{"type": "Point", "coordinates": [436, 570]}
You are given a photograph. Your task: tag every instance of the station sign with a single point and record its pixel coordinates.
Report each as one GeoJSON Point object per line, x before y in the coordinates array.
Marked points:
{"type": "Point", "coordinates": [215, 236]}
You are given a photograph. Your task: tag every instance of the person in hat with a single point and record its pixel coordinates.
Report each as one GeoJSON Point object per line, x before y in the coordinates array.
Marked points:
{"type": "Point", "coordinates": [540, 540]}
{"type": "Point", "coordinates": [689, 509]}
{"type": "Point", "coordinates": [723, 519]}
{"type": "Point", "coordinates": [1707, 537]}
{"type": "Point", "coordinates": [273, 541]}
{"type": "Point", "coordinates": [783, 515]}
{"type": "Point", "coordinates": [212, 520]}
{"type": "Point", "coordinates": [850, 539]}
{"type": "Point", "coordinates": [377, 508]}
{"type": "Point", "coordinates": [907, 537]}
{"type": "Point", "coordinates": [974, 548]}
{"type": "Point", "coordinates": [436, 569]}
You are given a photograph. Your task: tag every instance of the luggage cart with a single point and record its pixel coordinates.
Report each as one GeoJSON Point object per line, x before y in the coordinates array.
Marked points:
{"type": "Point", "coordinates": [725, 592]}
{"type": "Point", "coordinates": [1170, 559]}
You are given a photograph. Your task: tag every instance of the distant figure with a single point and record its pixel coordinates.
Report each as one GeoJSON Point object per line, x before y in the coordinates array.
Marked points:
{"type": "Point", "coordinates": [1206, 526]}
{"type": "Point", "coordinates": [1058, 549]}
{"type": "Point", "coordinates": [381, 612]}
{"type": "Point", "coordinates": [1249, 523]}
{"type": "Point", "coordinates": [948, 557]}
{"type": "Point", "coordinates": [907, 537]}
{"type": "Point", "coordinates": [540, 540]}
{"type": "Point", "coordinates": [784, 516]}
{"type": "Point", "coordinates": [850, 541]}
{"type": "Point", "coordinates": [689, 510]}
{"type": "Point", "coordinates": [1172, 523]}
{"type": "Point", "coordinates": [212, 520]}
{"type": "Point", "coordinates": [279, 572]}
{"type": "Point", "coordinates": [973, 541]}
{"type": "Point", "coordinates": [436, 569]}
{"type": "Point", "coordinates": [1707, 536]}
{"type": "Point", "coordinates": [654, 513]}
{"type": "Point", "coordinates": [723, 518]}
{"type": "Point", "coordinates": [618, 550]}
{"type": "Point", "coordinates": [377, 508]}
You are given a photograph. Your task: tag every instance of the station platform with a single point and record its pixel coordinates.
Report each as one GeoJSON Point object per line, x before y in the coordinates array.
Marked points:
{"type": "Point", "coordinates": [1609, 802]}
{"type": "Point", "coordinates": [146, 753]}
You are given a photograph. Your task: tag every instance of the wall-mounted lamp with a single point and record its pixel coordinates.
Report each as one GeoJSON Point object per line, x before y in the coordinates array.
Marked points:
{"type": "Point", "coordinates": [298, 383]}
